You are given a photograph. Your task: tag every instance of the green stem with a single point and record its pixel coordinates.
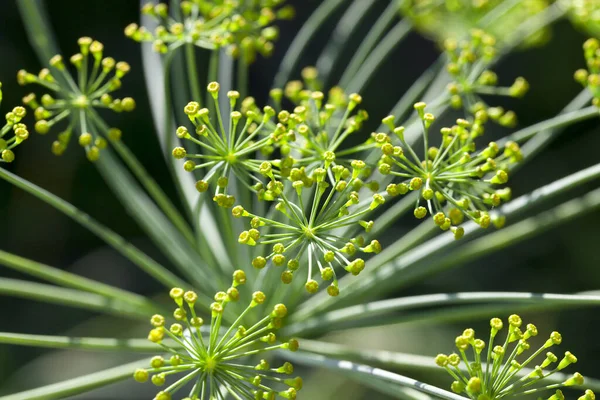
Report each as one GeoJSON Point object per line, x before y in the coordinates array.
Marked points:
{"type": "Point", "coordinates": [157, 194]}
{"type": "Point", "coordinates": [132, 253]}
{"type": "Point", "coordinates": [67, 279]}
{"type": "Point", "coordinates": [71, 297]}
{"type": "Point", "coordinates": [242, 75]}
{"type": "Point", "coordinates": [369, 43]}
{"type": "Point", "coordinates": [377, 57]}
{"type": "Point", "coordinates": [297, 48]}
{"type": "Point", "coordinates": [81, 384]}
{"type": "Point", "coordinates": [343, 32]}
{"type": "Point", "coordinates": [192, 72]}
{"type": "Point", "coordinates": [83, 343]}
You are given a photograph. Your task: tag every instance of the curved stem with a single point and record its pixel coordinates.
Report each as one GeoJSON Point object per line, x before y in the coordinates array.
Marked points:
{"type": "Point", "coordinates": [83, 343]}
{"type": "Point", "coordinates": [132, 253]}
{"type": "Point", "coordinates": [310, 28]}
{"type": "Point", "coordinates": [369, 42]}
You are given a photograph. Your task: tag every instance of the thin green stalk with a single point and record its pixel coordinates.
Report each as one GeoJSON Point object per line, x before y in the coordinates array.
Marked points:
{"type": "Point", "coordinates": [397, 310]}
{"type": "Point", "coordinates": [343, 32]}
{"type": "Point", "coordinates": [132, 253]}
{"type": "Point", "coordinates": [69, 280]}
{"type": "Point", "coordinates": [346, 367]}
{"type": "Point", "coordinates": [242, 75]}
{"type": "Point", "coordinates": [72, 298]}
{"type": "Point", "coordinates": [192, 72]}
{"type": "Point", "coordinates": [369, 43]}
{"type": "Point", "coordinates": [378, 56]}
{"type": "Point", "coordinates": [385, 264]}
{"type": "Point", "coordinates": [300, 43]}
{"type": "Point", "coordinates": [156, 193]}
{"type": "Point", "coordinates": [81, 343]}
{"type": "Point", "coordinates": [81, 384]}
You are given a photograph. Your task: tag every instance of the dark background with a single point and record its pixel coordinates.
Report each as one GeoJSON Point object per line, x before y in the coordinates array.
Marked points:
{"type": "Point", "coordinates": [563, 260]}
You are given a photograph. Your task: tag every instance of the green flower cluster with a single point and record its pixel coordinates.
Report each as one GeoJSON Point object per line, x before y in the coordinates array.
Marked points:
{"type": "Point", "coordinates": [72, 100]}
{"type": "Point", "coordinates": [584, 14]}
{"type": "Point", "coordinates": [13, 133]}
{"type": "Point", "coordinates": [454, 180]}
{"type": "Point", "coordinates": [243, 27]}
{"type": "Point", "coordinates": [499, 374]}
{"type": "Point", "coordinates": [590, 77]}
{"type": "Point", "coordinates": [468, 64]}
{"type": "Point", "coordinates": [214, 362]}
{"type": "Point", "coordinates": [454, 18]}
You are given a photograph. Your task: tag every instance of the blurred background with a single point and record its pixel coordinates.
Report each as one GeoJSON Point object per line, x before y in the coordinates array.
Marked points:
{"type": "Point", "coordinates": [563, 260]}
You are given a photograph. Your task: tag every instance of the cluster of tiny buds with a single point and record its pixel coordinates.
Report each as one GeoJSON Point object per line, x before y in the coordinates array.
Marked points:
{"type": "Point", "coordinates": [590, 77]}
{"type": "Point", "coordinates": [75, 100]}
{"type": "Point", "coordinates": [245, 28]}
{"type": "Point", "coordinates": [501, 375]}
{"type": "Point", "coordinates": [471, 79]}
{"type": "Point", "coordinates": [19, 132]}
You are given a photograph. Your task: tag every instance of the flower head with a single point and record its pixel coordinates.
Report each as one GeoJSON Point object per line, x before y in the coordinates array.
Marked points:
{"type": "Point", "coordinates": [13, 133]}
{"type": "Point", "coordinates": [584, 13]}
{"type": "Point", "coordinates": [74, 100]}
{"type": "Point", "coordinates": [502, 375]}
{"type": "Point", "coordinates": [312, 211]}
{"type": "Point", "coordinates": [215, 362]}
{"type": "Point", "coordinates": [590, 77]}
{"type": "Point", "coordinates": [454, 18]}
{"type": "Point", "coordinates": [244, 27]}
{"type": "Point", "coordinates": [322, 122]}
{"type": "Point", "coordinates": [455, 180]}
{"type": "Point", "coordinates": [468, 64]}
{"type": "Point", "coordinates": [229, 144]}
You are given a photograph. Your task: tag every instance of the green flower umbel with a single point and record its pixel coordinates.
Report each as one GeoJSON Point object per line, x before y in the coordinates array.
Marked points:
{"type": "Point", "coordinates": [241, 26]}
{"type": "Point", "coordinates": [13, 133]}
{"type": "Point", "coordinates": [454, 180]}
{"type": "Point", "coordinates": [213, 365]}
{"type": "Point", "coordinates": [584, 13]}
{"type": "Point", "coordinates": [229, 144]}
{"type": "Point", "coordinates": [590, 78]}
{"type": "Point", "coordinates": [321, 121]}
{"type": "Point", "coordinates": [74, 100]}
{"type": "Point", "coordinates": [468, 64]}
{"type": "Point", "coordinates": [498, 371]}
{"type": "Point", "coordinates": [314, 212]}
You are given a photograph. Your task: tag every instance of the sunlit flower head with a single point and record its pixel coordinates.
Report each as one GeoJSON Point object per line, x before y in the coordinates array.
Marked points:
{"type": "Point", "coordinates": [229, 144]}
{"type": "Point", "coordinates": [468, 64]}
{"type": "Point", "coordinates": [216, 364]}
{"type": "Point", "coordinates": [324, 123]}
{"type": "Point", "coordinates": [584, 14]}
{"type": "Point", "coordinates": [73, 101]}
{"type": "Point", "coordinates": [309, 228]}
{"type": "Point", "coordinates": [244, 27]}
{"type": "Point", "coordinates": [454, 180]}
{"type": "Point", "coordinates": [13, 133]}
{"type": "Point", "coordinates": [497, 372]}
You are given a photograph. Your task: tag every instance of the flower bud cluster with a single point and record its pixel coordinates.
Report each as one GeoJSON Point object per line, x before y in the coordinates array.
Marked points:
{"type": "Point", "coordinates": [454, 180]}
{"type": "Point", "coordinates": [245, 28]}
{"type": "Point", "coordinates": [468, 64]}
{"type": "Point", "coordinates": [498, 371]}
{"type": "Point", "coordinates": [215, 359]}
{"type": "Point", "coordinates": [74, 101]}
{"type": "Point", "coordinates": [13, 133]}
{"type": "Point", "coordinates": [590, 77]}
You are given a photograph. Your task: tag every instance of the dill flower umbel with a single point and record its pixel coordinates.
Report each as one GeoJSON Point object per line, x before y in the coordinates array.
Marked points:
{"type": "Point", "coordinates": [468, 64]}
{"type": "Point", "coordinates": [229, 144]}
{"type": "Point", "coordinates": [584, 13]}
{"type": "Point", "coordinates": [500, 375]}
{"type": "Point", "coordinates": [312, 212]}
{"type": "Point", "coordinates": [454, 18]}
{"type": "Point", "coordinates": [73, 100]}
{"type": "Point", "coordinates": [13, 133]}
{"type": "Point", "coordinates": [590, 78]}
{"type": "Point", "coordinates": [214, 364]}
{"type": "Point", "coordinates": [321, 121]}
{"type": "Point", "coordinates": [454, 180]}
{"type": "Point", "coordinates": [242, 26]}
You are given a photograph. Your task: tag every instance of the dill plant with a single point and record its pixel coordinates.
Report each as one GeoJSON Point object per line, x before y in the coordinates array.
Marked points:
{"type": "Point", "coordinates": [299, 186]}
